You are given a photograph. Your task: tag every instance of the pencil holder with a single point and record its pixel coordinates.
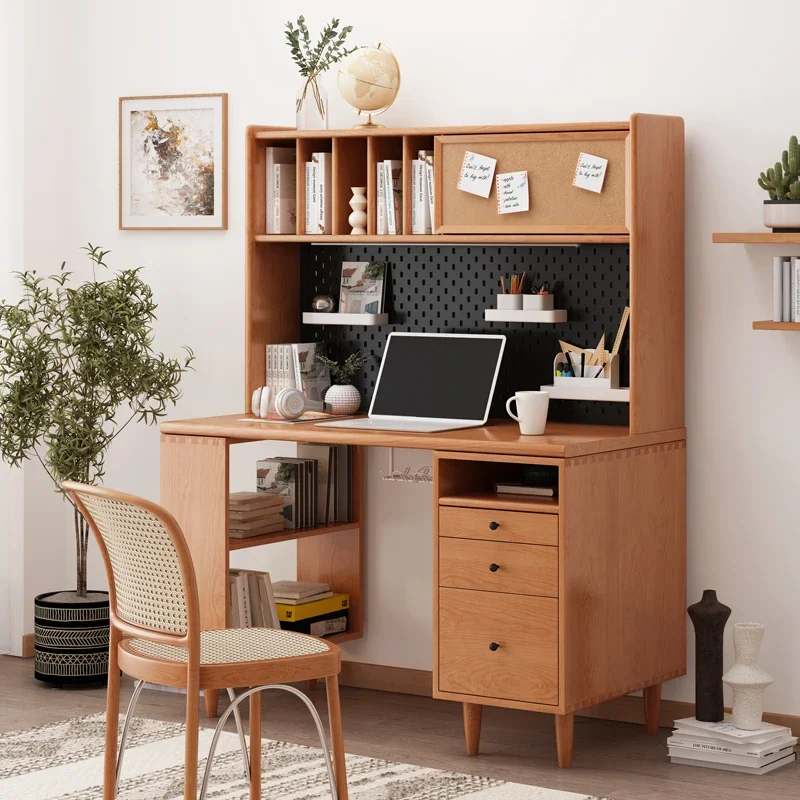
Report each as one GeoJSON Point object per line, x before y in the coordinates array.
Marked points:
{"type": "Point", "coordinates": [538, 302]}
{"type": "Point", "coordinates": [509, 302]}
{"type": "Point", "coordinates": [611, 382]}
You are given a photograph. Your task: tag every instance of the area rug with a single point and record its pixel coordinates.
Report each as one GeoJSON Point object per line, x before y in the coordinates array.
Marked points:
{"type": "Point", "coordinates": [64, 761]}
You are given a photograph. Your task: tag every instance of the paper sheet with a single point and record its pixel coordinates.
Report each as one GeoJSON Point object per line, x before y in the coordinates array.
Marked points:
{"type": "Point", "coordinates": [512, 192]}
{"type": "Point", "coordinates": [590, 172]}
{"type": "Point", "coordinates": [477, 172]}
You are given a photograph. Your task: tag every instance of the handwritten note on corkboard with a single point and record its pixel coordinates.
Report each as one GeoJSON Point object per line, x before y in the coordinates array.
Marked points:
{"type": "Point", "coordinates": [512, 192]}
{"type": "Point", "coordinates": [476, 175]}
{"type": "Point", "coordinates": [590, 171]}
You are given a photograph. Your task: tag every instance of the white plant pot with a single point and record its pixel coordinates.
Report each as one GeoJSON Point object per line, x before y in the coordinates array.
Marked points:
{"type": "Point", "coordinates": [746, 678]}
{"type": "Point", "coordinates": [343, 399]}
{"type": "Point", "coordinates": [783, 216]}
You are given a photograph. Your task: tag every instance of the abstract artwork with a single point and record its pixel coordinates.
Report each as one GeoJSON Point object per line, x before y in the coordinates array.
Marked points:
{"type": "Point", "coordinates": [173, 171]}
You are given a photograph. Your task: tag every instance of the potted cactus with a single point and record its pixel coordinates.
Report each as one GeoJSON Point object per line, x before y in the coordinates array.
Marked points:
{"type": "Point", "coordinates": [782, 210]}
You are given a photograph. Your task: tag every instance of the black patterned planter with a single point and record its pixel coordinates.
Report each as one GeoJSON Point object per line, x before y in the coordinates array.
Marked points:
{"type": "Point", "coordinates": [71, 638]}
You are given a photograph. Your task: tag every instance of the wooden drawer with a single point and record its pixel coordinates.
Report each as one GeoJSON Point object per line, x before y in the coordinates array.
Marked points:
{"type": "Point", "coordinates": [498, 567]}
{"type": "Point", "coordinates": [524, 664]}
{"type": "Point", "coordinates": [498, 526]}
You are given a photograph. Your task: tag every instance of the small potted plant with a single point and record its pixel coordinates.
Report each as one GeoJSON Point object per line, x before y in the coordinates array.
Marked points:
{"type": "Point", "coordinates": [343, 397]}
{"type": "Point", "coordinates": [782, 210]}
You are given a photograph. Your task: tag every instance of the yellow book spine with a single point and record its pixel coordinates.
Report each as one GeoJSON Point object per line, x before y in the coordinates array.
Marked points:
{"type": "Point", "coordinates": [338, 602]}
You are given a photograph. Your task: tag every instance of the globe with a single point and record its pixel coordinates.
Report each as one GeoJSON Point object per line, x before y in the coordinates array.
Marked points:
{"type": "Point", "coordinates": [369, 79]}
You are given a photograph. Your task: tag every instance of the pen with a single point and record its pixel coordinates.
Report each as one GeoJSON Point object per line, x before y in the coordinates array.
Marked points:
{"type": "Point", "coordinates": [583, 361]}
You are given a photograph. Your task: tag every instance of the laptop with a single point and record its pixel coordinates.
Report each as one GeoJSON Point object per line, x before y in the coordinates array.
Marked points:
{"type": "Point", "coordinates": [432, 382]}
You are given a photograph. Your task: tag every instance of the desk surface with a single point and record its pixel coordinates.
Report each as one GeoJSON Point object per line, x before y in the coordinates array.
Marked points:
{"type": "Point", "coordinates": [560, 440]}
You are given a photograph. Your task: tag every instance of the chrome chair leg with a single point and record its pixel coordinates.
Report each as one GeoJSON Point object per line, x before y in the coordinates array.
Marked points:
{"type": "Point", "coordinates": [234, 705]}
{"type": "Point", "coordinates": [242, 741]}
{"type": "Point", "coordinates": [123, 741]}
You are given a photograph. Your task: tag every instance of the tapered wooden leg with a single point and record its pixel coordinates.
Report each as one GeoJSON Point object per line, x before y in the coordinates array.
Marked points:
{"type": "Point", "coordinates": [211, 699]}
{"type": "Point", "coordinates": [565, 728]}
{"type": "Point", "coordinates": [472, 727]}
{"type": "Point", "coordinates": [255, 746]}
{"type": "Point", "coordinates": [112, 719]}
{"type": "Point", "coordinates": [337, 737]}
{"type": "Point", "coordinates": [192, 733]}
{"type": "Point", "coordinates": [311, 684]}
{"type": "Point", "coordinates": [652, 707]}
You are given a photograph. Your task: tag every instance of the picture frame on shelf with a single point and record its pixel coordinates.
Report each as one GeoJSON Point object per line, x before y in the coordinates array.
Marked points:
{"type": "Point", "coordinates": [363, 287]}
{"type": "Point", "coordinates": [173, 170]}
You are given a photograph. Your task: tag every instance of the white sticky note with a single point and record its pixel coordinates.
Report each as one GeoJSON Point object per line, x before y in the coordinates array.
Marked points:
{"type": "Point", "coordinates": [590, 172]}
{"type": "Point", "coordinates": [512, 192]}
{"type": "Point", "coordinates": [477, 172]}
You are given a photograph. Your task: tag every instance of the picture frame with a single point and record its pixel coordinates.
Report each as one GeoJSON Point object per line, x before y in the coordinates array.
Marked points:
{"type": "Point", "coordinates": [173, 162]}
{"type": "Point", "coordinates": [363, 287]}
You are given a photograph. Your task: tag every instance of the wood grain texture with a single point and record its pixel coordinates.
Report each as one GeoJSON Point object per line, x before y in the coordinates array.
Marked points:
{"type": "Point", "coordinates": [507, 502]}
{"type": "Point", "coordinates": [28, 645]}
{"type": "Point", "coordinates": [400, 680]}
{"type": "Point", "coordinates": [472, 727]}
{"type": "Point", "coordinates": [349, 169]}
{"type": "Point", "coordinates": [523, 667]}
{"type": "Point", "coordinates": [518, 568]}
{"type": "Point", "coordinates": [573, 239]}
{"type": "Point", "coordinates": [512, 526]}
{"type": "Point", "coordinates": [337, 736]}
{"type": "Point", "coordinates": [288, 535]}
{"type": "Point", "coordinates": [657, 273]}
{"type": "Point", "coordinates": [255, 746]}
{"type": "Point", "coordinates": [624, 587]}
{"type": "Point", "coordinates": [565, 730]}
{"type": "Point", "coordinates": [756, 237]}
{"type": "Point", "coordinates": [652, 703]}
{"type": "Point", "coordinates": [769, 325]}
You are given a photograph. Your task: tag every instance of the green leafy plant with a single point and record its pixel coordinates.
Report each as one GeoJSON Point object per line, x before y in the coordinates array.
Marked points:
{"type": "Point", "coordinates": [70, 358]}
{"type": "Point", "coordinates": [783, 180]}
{"type": "Point", "coordinates": [343, 374]}
{"type": "Point", "coordinates": [314, 59]}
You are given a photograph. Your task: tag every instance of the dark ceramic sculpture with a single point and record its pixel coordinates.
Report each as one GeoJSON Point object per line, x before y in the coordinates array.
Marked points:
{"type": "Point", "coordinates": [708, 617]}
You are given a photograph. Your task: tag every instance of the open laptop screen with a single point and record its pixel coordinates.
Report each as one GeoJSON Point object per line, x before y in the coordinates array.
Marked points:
{"type": "Point", "coordinates": [438, 376]}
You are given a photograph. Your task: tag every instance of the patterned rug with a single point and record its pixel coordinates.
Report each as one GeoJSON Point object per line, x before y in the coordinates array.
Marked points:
{"type": "Point", "coordinates": [64, 761]}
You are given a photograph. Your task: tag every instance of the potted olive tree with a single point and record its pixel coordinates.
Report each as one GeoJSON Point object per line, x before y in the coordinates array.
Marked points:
{"type": "Point", "coordinates": [77, 366]}
{"type": "Point", "coordinates": [782, 210]}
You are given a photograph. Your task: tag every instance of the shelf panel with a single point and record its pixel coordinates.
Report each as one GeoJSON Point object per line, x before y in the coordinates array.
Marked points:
{"type": "Point", "coordinates": [347, 636]}
{"type": "Point", "coordinates": [448, 239]}
{"type": "Point", "coordinates": [503, 502]}
{"type": "Point", "coordinates": [495, 315]}
{"type": "Point", "coordinates": [769, 325]}
{"type": "Point", "coordinates": [759, 237]}
{"type": "Point", "coordinates": [587, 393]}
{"type": "Point", "coordinates": [287, 535]}
{"type": "Point", "coordinates": [338, 318]}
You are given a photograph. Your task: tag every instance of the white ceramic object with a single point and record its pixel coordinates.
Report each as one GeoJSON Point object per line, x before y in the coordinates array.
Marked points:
{"type": "Point", "coordinates": [344, 399]}
{"type": "Point", "coordinates": [358, 219]}
{"type": "Point", "coordinates": [532, 409]}
{"type": "Point", "coordinates": [783, 216]}
{"type": "Point", "coordinates": [509, 302]}
{"type": "Point", "coordinates": [538, 302]}
{"type": "Point", "coordinates": [746, 678]}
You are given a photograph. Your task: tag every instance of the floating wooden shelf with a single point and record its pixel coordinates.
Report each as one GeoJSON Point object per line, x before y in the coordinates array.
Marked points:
{"type": "Point", "coordinates": [574, 240]}
{"type": "Point", "coordinates": [759, 237]}
{"type": "Point", "coordinates": [504, 502]}
{"type": "Point", "coordinates": [495, 315]}
{"type": "Point", "coordinates": [769, 325]}
{"type": "Point", "coordinates": [317, 318]}
{"type": "Point", "coordinates": [347, 636]}
{"type": "Point", "coordinates": [587, 393]}
{"type": "Point", "coordinates": [289, 535]}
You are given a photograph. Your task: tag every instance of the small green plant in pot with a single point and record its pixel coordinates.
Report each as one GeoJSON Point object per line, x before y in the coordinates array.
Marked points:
{"type": "Point", "coordinates": [782, 182]}
{"type": "Point", "coordinates": [343, 397]}
{"type": "Point", "coordinates": [77, 366]}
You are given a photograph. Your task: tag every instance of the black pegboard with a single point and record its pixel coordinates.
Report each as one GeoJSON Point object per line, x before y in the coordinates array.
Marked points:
{"type": "Point", "coordinates": [446, 290]}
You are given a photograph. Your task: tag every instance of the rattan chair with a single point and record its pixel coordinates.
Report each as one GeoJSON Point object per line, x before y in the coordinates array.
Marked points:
{"type": "Point", "coordinates": [156, 638]}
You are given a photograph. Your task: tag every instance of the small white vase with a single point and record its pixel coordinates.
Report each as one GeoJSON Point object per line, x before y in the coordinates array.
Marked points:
{"type": "Point", "coordinates": [746, 678]}
{"type": "Point", "coordinates": [344, 399]}
{"type": "Point", "coordinates": [358, 202]}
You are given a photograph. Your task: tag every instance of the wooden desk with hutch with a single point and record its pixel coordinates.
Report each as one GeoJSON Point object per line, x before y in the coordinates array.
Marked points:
{"type": "Point", "coordinates": [591, 584]}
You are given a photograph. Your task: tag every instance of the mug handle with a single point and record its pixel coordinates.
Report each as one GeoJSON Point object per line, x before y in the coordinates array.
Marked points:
{"type": "Point", "coordinates": [508, 408]}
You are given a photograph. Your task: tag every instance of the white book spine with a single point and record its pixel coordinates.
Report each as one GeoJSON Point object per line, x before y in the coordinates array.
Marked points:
{"type": "Point", "coordinates": [429, 189]}
{"type": "Point", "coordinates": [309, 224]}
{"type": "Point", "coordinates": [391, 223]}
{"type": "Point", "coordinates": [270, 184]}
{"type": "Point", "coordinates": [777, 289]}
{"type": "Point", "coordinates": [276, 199]}
{"type": "Point", "coordinates": [795, 289]}
{"type": "Point", "coordinates": [323, 192]}
{"type": "Point", "coordinates": [416, 225]}
{"type": "Point", "coordinates": [787, 290]}
{"type": "Point", "coordinates": [381, 204]}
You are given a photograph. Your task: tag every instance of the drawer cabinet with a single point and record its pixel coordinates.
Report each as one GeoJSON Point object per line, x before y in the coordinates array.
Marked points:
{"type": "Point", "coordinates": [498, 567]}
{"type": "Point", "coordinates": [498, 645]}
{"type": "Point", "coordinates": [498, 526]}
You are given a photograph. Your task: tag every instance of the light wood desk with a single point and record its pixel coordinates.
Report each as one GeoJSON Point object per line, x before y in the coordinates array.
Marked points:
{"type": "Point", "coordinates": [587, 603]}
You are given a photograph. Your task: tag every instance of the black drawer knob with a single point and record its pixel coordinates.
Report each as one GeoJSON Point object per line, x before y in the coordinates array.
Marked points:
{"type": "Point", "coordinates": [493, 526]}
{"type": "Point", "coordinates": [494, 567]}
{"type": "Point", "coordinates": [494, 646]}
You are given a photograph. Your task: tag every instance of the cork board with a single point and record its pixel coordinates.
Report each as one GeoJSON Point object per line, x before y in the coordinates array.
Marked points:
{"type": "Point", "coordinates": [556, 206]}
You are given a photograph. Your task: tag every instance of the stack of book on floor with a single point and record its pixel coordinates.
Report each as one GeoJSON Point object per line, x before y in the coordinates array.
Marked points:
{"type": "Point", "coordinates": [281, 181]}
{"type": "Point", "coordinates": [721, 745]}
{"type": "Point", "coordinates": [254, 513]}
{"type": "Point", "coordinates": [311, 607]}
{"type": "Point", "coordinates": [252, 604]}
{"type": "Point", "coordinates": [318, 193]}
{"type": "Point", "coordinates": [314, 488]}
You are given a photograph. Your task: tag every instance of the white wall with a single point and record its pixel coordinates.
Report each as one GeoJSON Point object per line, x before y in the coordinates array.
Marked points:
{"type": "Point", "coordinates": [504, 63]}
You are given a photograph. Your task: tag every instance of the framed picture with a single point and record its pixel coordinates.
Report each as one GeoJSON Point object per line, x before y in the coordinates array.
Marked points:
{"type": "Point", "coordinates": [362, 287]}
{"type": "Point", "coordinates": [173, 162]}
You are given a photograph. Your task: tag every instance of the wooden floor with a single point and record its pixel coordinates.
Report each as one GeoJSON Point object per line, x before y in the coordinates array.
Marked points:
{"type": "Point", "coordinates": [610, 759]}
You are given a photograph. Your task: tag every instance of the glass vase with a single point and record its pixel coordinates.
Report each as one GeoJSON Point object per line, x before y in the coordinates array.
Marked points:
{"type": "Point", "coordinates": [312, 106]}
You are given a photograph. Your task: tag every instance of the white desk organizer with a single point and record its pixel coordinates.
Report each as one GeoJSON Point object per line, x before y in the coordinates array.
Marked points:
{"type": "Point", "coordinates": [522, 315]}
{"type": "Point", "coordinates": [587, 388]}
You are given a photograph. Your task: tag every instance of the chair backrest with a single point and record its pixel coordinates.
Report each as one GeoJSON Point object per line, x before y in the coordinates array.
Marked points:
{"type": "Point", "coordinates": [152, 584]}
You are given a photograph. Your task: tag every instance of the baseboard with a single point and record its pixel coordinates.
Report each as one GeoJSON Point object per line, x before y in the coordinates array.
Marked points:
{"type": "Point", "coordinates": [622, 709]}
{"type": "Point", "coordinates": [27, 645]}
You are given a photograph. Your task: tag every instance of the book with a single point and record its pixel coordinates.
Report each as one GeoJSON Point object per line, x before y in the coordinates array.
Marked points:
{"type": "Point", "coordinates": [245, 501]}
{"type": "Point", "coordinates": [266, 514]}
{"type": "Point", "coordinates": [274, 527]}
{"type": "Point", "coordinates": [690, 762]}
{"type": "Point", "coordinates": [324, 625]}
{"type": "Point", "coordinates": [252, 603]}
{"type": "Point", "coordinates": [279, 477]}
{"type": "Point", "coordinates": [362, 287]}
{"type": "Point", "coordinates": [233, 603]}
{"type": "Point", "coordinates": [525, 489]}
{"type": "Point", "coordinates": [311, 199]}
{"type": "Point", "coordinates": [795, 289]}
{"type": "Point", "coordinates": [298, 589]}
{"type": "Point", "coordinates": [323, 455]}
{"type": "Point", "coordinates": [777, 289]}
{"type": "Point", "coordinates": [256, 608]}
{"type": "Point", "coordinates": [703, 746]}
{"type": "Point", "coordinates": [393, 191]}
{"type": "Point", "coordinates": [727, 731]}
{"type": "Point", "coordinates": [273, 156]}
{"type": "Point", "coordinates": [426, 156]}
{"type": "Point", "coordinates": [288, 601]}
{"type": "Point", "coordinates": [311, 377]}
{"type": "Point", "coordinates": [420, 209]}
{"type": "Point", "coordinates": [284, 202]}
{"type": "Point", "coordinates": [322, 192]}
{"type": "Point", "coordinates": [269, 601]}
{"type": "Point", "coordinates": [786, 296]}
{"type": "Point", "coordinates": [243, 600]}
{"type": "Point", "coordinates": [380, 218]}
{"type": "Point", "coordinates": [287, 613]}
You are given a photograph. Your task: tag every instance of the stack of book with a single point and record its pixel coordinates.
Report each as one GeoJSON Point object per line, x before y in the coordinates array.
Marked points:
{"type": "Point", "coordinates": [721, 745]}
{"type": "Point", "coordinates": [537, 481]}
{"type": "Point", "coordinates": [786, 289]}
{"type": "Point", "coordinates": [252, 603]}
{"type": "Point", "coordinates": [422, 188]}
{"type": "Point", "coordinates": [318, 193]}
{"type": "Point", "coordinates": [281, 182]}
{"type": "Point", "coordinates": [295, 366]}
{"type": "Point", "coordinates": [254, 513]}
{"type": "Point", "coordinates": [390, 197]}
{"type": "Point", "coordinates": [311, 608]}
{"type": "Point", "coordinates": [316, 487]}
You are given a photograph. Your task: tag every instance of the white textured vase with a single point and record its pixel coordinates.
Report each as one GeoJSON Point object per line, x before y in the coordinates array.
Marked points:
{"type": "Point", "coordinates": [343, 399]}
{"type": "Point", "coordinates": [746, 678]}
{"type": "Point", "coordinates": [358, 202]}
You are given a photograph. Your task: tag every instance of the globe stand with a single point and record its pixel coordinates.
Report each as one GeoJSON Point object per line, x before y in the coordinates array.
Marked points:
{"type": "Point", "coordinates": [369, 123]}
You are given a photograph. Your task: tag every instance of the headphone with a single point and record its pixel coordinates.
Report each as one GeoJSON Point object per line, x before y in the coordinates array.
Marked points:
{"type": "Point", "coordinates": [287, 403]}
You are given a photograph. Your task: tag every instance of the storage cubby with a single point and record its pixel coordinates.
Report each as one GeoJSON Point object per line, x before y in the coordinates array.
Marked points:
{"type": "Point", "coordinates": [258, 180]}
{"type": "Point", "coordinates": [411, 146]}
{"type": "Point", "coordinates": [305, 147]}
{"type": "Point", "coordinates": [349, 169]}
{"type": "Point", "coordinates": [379, 148]}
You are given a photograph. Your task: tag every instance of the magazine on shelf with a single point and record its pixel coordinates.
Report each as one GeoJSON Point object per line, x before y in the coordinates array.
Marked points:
{"type": "Point", "coordinates": [362, 287]}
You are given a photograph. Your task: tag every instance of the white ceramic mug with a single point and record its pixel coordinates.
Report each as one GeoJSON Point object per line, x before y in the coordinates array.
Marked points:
{"type": "Point", "coordinates": [532, 410]}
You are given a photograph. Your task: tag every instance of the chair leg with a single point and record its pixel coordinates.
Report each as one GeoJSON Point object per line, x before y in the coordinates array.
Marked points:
{"type": "Point", "coordinates": [337, 738]}
{"type": "Point", "coordinates": [242, 741]}
{"type": "Point", "coordinates": [211, 700]}
{"type": "Point", "coordinates": [112, 719]}
{"type": "Point", "coordinates": [255, 746]}
{"type": "Point", "coordinates": [126, 726]}
{"type": "Point", "coordinates": [192, 735]}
